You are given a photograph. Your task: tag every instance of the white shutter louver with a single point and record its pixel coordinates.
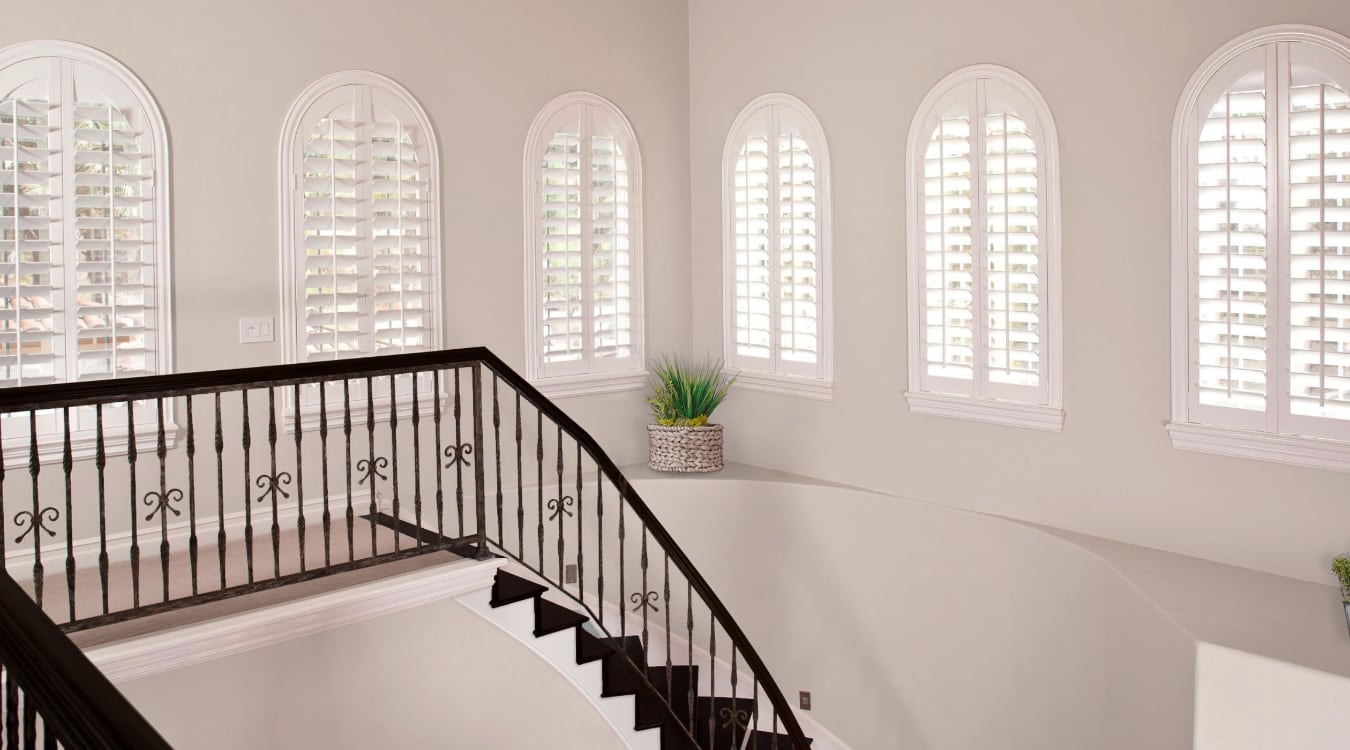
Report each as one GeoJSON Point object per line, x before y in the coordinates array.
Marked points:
{"type": "Point", "coordinates": [775, 253]}
{"type": "Point", "coordinates": [583, 241]}
{"type": "Point", "coordinates": [362, 233]}
{"type": "Point", "coordinates": [949, 197]}
{"type": "Point", "coordinates": [28, 343]}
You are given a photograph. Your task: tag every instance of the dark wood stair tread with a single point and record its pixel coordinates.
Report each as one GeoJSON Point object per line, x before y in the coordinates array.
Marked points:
{"type": "Point", "coordinates": [509, 589]}
{"type": "Point", "coordinates": [552, 618]}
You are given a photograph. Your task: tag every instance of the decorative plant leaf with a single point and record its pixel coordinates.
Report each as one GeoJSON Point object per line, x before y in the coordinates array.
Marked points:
{"type": "Point", "coordinates": [684, 394]}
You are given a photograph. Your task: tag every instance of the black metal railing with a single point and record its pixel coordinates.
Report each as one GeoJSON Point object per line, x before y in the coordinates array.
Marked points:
{"type": "Point", "coordinates": [52, 695]}
{"type": "Point", "coordinates": [132, 497]}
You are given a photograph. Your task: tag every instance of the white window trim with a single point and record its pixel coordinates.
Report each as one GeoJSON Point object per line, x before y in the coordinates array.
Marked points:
{"type": "Point", "coordinates": [585, 384]}
{"type": "Point", "coordinates": [1047, 416]}
{"type": "Point", "coordinates": [290, 321]}
{"type": "Point", "coordinates": [84, 441]}
{"type": "Point", "coordinates": [1186, 432]}
{"type": "Point", "coordinates": [820, 388]}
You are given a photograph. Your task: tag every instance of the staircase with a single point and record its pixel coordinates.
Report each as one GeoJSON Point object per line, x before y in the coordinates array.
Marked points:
{"type": "Point", "coordinates": [661, 696]}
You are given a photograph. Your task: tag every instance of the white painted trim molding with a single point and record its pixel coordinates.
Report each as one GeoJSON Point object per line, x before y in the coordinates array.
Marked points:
{"type": "Point", "coordinates": [1010, 413]}
{"type": "Point", "coordinates": [236, 634]}
{"type": "Point", "coordinates": [785, 385]}
{"type": "Point", "coordinates": [592, 383]}
{"type": "Point", "coordinates": [1316, 453]}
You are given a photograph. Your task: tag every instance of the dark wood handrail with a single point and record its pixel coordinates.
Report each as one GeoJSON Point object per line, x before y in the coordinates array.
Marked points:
{"type": "Point", "coordinates": [76, 702]}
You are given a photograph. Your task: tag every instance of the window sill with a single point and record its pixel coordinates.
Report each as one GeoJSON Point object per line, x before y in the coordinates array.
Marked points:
{"type": "Point", "coordinates": [426, 410]}
{"type": "Point", "coordinates": [84, 445]}
{"type": "Point", "coordinates": [1318, 453]}
{"type": "Point", "coordinates": [1010, 413]}
{"type": "Point", "coordinates": [592, 383]}
{"type": "Point", "coordinates": [785, 385]}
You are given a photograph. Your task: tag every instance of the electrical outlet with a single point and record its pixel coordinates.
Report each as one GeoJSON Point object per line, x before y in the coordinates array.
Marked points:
{"type": "Point", "coordinates": [805, 700]}
{"type": "Point", "coordinates": [569, 574]}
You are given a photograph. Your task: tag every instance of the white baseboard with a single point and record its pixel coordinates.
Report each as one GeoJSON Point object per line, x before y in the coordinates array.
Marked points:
{"type": "Point", "coordinates": [247, 631]}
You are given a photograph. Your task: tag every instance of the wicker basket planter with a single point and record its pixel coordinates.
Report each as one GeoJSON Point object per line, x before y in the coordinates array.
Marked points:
{"type": "Point", "coordinates": [687, 449]}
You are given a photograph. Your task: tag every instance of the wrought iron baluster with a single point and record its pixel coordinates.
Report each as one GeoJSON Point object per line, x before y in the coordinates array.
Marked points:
{"type": "Point", "coordinates": [161, 452]}
{"type": "Point", "coordinates": [417, 459]}
{"type": "Point", "coordinates": [497, 456]}
{"type": "Point", "coordinates": [100, 464]}
{"type": "Point", "coordinates": [689, 636]}
{"type": "Point", "coordinates": [275, 477]}
{"type": "Point", "coordinates": [29, 722]}
{"type": "Point", "coordinates": [641, 597]}
{"type": "Point", "coordinates": [754, 702]}
{"type": "Point", "coordinates": [131, 499]}
{"type": "Point", "coordinates": [670, 690]}
{"type": "Point", "coordinates": [393, 453]}
{"type": "Point", "coordinates": [520, 485]}
{"type": "Point", "coordinates": [623, 616]}
{"type": "Point", "coordinates": [600, 542]}
{"type": "Point", "coordinates": [370, 440]}
{"type": "Point", "coordinates": [733, 719]}
{"type": "Point", "coordinates": [479, 493]}
{"type": "Point", "coordinates": [539, 484]}
{"type": "Point", "coordinates": [440, 479]}
{"type": "Point", "coordinates": [67, 465]}
{"type": "Point", "coordinates": [581, 569]}
{"type": "Point", "coordinates": [3, 559]}
{"type": "Point", "coordinates": [561, 508]}
{"type": "Point", "coordinates": [459, 464]}
{"type": "Point", "coordinates": [220, 490]}
{"type": "Point", "coordinates": [712, 676]}
{"type": "Point", "coordinates": [192, 494]}
{"type": "Point", "coordinates": [11, 710]}
{"type": "Point", "coordinates": [300, 475]}
{"type": "Point", "coordinates": [323, 467]}
{"type": "Point", "coordinates": [347, 446]}
{"type": "Point", "coordinates": [247, 441]}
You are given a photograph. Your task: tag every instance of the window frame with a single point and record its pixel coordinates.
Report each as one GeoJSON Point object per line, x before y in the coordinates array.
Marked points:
{"type": "Point", "coordinates": [593, 381]}
{"type": "Point", "coordinates": [1044, 414]}
{"type": "Point", "coordinates": [820, 385]}
{"type": "Point", "coordinates": [1188, 428]}
{"type": "Point", "coordinates": [84, 440]}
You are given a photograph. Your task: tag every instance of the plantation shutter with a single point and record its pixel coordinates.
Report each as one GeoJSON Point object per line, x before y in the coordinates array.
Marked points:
{"type": "Point", "coordinates": [775, 236]}
{"type": "Point", "coordinates": [586, 243]}
{"type": "Point", "coordinates": [77, 290]}
{"type": "Point", "coordinates": [983, 272]}
{"type": "Point", "coordinates": [364, 176]}
{"type": "Point", "coordinates": [1270, 230]}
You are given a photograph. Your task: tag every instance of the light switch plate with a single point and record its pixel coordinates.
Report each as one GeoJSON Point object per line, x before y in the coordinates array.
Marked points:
{"type": "Point", "coordinates": [255, 330]}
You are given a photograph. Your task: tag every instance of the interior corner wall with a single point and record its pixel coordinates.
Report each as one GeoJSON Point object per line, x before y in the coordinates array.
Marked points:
{"type": "Point", "coordinates": [225, 75]}
{"type": "Point", "coordinates": [1112, 74]}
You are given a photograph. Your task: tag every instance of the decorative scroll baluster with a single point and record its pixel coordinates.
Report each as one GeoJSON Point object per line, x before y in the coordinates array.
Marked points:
{"type": "Point", "coordinates": [689, 639]}
{"type": "Point", "coordinates": [220, 491]}
{"type": "Point", "coordinates": [712, 676]}
{"type": "Point", "coordinates": [323, 467]}
{"type": "Point", "coordinates": [370, 444]}
{"type": "Point", "coordinates": [539, 455]}
{"type": "Point", "coordinates": [561, 507]}
{"type": "Point", "coordinates": [347, 446]}
{"type": "Point", "coordinates": [440, 480]}
{"type": "Point", "coordinates": [135, 541]}
{"type": "Point", "coordinates": [754, 701]}
{"type": "Point", "coordinates": [100, 464]}
{"type": "Point", "coordinates": [275, 477]}
{"type": "Point", "coordinates": [393, 453]}
{"type": "Point", "coordinates": [734, 718]}
{"type": "Point", "coordinates": [479, 493]}
{"type": "Point", "coordinates": [520, 485]}
{"type": "Point", "coordinates": [670, 690]}
{"type": "Point", "coordinates": [459, 464]}
{"type": "Point", "coordinates": [623, 617]}
{"type": "Point", "coordinates": [161, 452]}
{"type": "Point", "coordinates": [67, 465]}
{"type": "Point", "coordinates": [417, 459]}
{"type": "Point", "coordinates": [642, 601]}
{"type": "Point", "coordinates": [192, 494]}
{"type": "Point", "coordinates": [497, 455]}
{"type": "Point", "coordinates": [300, 477]}
{"type": "Point", "coordinates": [247, 440]}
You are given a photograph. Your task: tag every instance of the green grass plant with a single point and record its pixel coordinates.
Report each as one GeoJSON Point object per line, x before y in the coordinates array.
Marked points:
{"type": "Point", "coordinates": [684, 394]}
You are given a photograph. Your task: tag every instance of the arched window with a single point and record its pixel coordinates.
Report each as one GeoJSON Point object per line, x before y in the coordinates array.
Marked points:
{"type": "Point", "coordinates": [776, 248]}
{"type": "Point", "coordinates": [583, 245]}
{"type": "Point", "coordinates": [983, 216]}
{"type": "Point", "coordinates": [360, 232]}
{"type": "Point", "coordinates": [84, 227]}
{"type": "Point", "coordinates": [1261, 250]}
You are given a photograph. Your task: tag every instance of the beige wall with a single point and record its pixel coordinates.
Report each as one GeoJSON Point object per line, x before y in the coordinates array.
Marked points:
{"type": "Point", "coordinates": [226, 73]}
{"type": "Point", "coordinates": [433, 676]}
{"type": "Point", "coordinates": [1112, 73]}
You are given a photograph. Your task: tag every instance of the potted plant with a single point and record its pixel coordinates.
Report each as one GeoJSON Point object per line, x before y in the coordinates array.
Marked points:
{"type": "Point", "coordinates": [683, 397]}
{"type": "Point", "coordinates": [1341, 567]}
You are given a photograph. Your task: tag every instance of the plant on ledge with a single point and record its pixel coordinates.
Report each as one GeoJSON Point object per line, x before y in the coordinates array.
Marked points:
{"type": "Point", "coordinates": [682, 398]}
{"type": "Point", "coordinates": [1341, 567]}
